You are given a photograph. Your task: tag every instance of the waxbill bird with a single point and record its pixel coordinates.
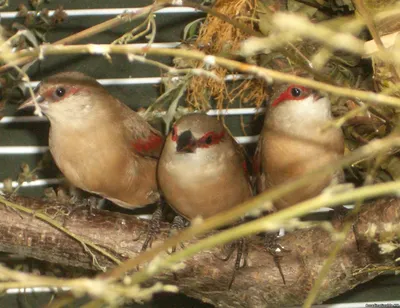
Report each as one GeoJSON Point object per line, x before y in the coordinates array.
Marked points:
{"type": "Point", "coordinates": [98, 143]}
{"type": "Point", "coordinates": [295, 140]}
{"type": "Point", "coordinates": [201, 171]}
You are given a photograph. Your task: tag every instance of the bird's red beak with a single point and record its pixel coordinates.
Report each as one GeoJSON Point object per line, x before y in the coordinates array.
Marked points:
{"type": "Point", "coordinates": [30, 102]}
{"type": "Point", "coordinates": [186, 142]}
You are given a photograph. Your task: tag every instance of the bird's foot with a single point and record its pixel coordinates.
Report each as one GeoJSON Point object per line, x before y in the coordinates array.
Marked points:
{"type": "Point", "coordinates": [178, 224]}
{"type": "Point", "coordinates": [153, 227]}
{"type": "Point", "coordinates": [88, 203]}
{"type": "Point", "coordinates": [342, 215]}
{"type": "Point", "coordinates": [276, 250]}
{"type": "Point", "coordinates": [241, 248]}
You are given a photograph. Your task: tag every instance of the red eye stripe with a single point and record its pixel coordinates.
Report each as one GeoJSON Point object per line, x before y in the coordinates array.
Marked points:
{"type": "Point", "coordinates": [210, 139]}
{"type": "Point", "coordinates": [50, 93]}
{"type": "Point", "coordinates": [174, 133]}
{"type": "Point", "coordinates": [287, 95]}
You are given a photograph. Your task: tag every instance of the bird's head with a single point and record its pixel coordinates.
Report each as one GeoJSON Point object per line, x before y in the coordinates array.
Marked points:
{"type": "Point", "coordinates": [66, 95]}
{"type": "Point", "coordinates": [196, 131]}
{"type": "Point", "coordinates": [295, 103]}
{"type": "Point", "coordinates": [295, 94]}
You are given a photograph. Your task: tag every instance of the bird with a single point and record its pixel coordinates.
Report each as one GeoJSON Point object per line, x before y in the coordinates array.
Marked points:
{"type": "Point", "coordinates": [202, 170]}
{"type": "Point", "coordinates": [99, 144]}
{"type": "Point", "coordinates": [296, 140]}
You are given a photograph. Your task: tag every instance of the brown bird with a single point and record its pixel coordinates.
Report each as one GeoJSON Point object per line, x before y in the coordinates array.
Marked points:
{"type": "Point", "coordinates": [99, 144]}
{"type": "Point", "coordinates": [202, 171]}
{"type": "Point", "coordinates": [295, 141]}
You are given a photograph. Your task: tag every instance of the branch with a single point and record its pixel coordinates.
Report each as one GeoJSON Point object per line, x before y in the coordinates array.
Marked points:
{"type": "Point", "coordinates": [206, 276]}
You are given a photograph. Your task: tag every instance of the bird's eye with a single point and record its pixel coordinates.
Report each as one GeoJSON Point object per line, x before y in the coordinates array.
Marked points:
{"type": "Point", "coordinates": [296, 92]}
{"type": "Point", "coordinates": [209, 140]}
{"type": "Point", "coordinates": [60, 92]}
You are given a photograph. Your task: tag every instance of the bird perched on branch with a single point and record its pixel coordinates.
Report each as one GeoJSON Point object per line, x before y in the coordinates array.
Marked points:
{"type": "Point", "coordinates": [202, 170]}
{"type": "Point", "coordinates": [295, 140]}
{"type": "Point", "coordinates": [99, 144]}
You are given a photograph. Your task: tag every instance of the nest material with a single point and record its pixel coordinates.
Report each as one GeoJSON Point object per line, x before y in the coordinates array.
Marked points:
{"type": "Point", "coordinates": [218, 37]}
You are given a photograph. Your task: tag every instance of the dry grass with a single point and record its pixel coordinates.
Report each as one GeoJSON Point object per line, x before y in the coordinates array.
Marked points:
{"type": "Point", "coordinates": [213, 41]}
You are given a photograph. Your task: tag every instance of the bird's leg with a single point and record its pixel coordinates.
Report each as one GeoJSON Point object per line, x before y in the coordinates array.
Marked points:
{"type": "Point", "coordinates": [276, 250]}
{"type": "Point", "coordinates": [241, 248]}
{"type": "Point", "coordinates": [343, 215]}
{"type": "Point", "coordinates": [241, 254]}
{"type": "Point", "coordinates": [178, 224]}
{"type": "Point", "coordinates": [154, 226]}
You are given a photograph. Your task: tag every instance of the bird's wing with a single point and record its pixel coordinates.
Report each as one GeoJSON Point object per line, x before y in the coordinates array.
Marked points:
{"type": "Point", "coordinates": [144, 139]}
{"type": "Point", "coordinates": [150, 144]}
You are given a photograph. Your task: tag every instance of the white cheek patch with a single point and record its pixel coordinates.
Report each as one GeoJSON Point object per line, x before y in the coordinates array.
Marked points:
{"type": "Point", "coordinates": [291, 114]}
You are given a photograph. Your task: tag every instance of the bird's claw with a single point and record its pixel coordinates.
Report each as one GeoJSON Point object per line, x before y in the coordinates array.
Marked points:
{"type": "Point", "coordinates": [178, 224]}
{"type": "Point", "coordinates": [276, 250]}
{"type": "Point", "coordinates": [241, 248]}
{"type": "Point", "coordinates": [153, 227]}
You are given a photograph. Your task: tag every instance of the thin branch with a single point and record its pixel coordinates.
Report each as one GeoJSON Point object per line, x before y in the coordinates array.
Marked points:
{"type": "Point", "coordinates": [112, 23]}
{"type": "Point", "coordinates": [267, 74]}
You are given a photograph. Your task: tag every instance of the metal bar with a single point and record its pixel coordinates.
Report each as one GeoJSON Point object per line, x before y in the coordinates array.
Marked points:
{"type": "Point", "coordinates": [36, 290]}
{"type": "Point", "coordinates": [246, 139]}
{"type": "Point", "coordinates": [235, 111]}
{"type": "Point", "coordinates": [148, 80]}
{"type": "Point", "coordinates": [41, 182]}
{"type": "Point", "coordinates": [211, 112]}
{"type": "Point", "coordinates": [9, 150]}
{"type": "Point", "coordinates": [108, 12]}
{"type": "Point", "coordinates": [22, 150]}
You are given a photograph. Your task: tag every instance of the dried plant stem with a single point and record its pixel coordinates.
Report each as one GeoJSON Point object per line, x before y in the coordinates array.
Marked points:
{"type": "Point", "coordinates": [110, 293]}
{"type": "Point", "coordinates": [57, 225]}
{"type": "Point", "coordinates": [343, 119]}
{"type": "Point", "coordinates": [258, 201]}
{"type": "Point", "coordinates": [174, 71]}
{"type": "Point", "coordinates": [267, 74]}
{"type": "Point", "coordinates": [274, 222]}
{"type": "Point", "coordinates": [114, 22]}
{"type": "Point", "coordinates": [374, 33]}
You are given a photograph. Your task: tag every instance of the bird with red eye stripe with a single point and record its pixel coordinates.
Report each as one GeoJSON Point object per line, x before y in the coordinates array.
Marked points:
{"type": "Point", "coordinates": [295, 140]}
{"type": "Point", "coordinates": [202, 171]}
{"type": "Point", "coordinates": [98, 143]}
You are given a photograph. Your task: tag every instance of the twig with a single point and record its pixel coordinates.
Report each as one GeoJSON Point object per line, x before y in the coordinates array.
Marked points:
{"type": "Point", "coordinates": [111, 293]}
{"type": "Point", "coordinates": [114, 22]}
{"type": "Point", "coordinates": [261, 72]}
